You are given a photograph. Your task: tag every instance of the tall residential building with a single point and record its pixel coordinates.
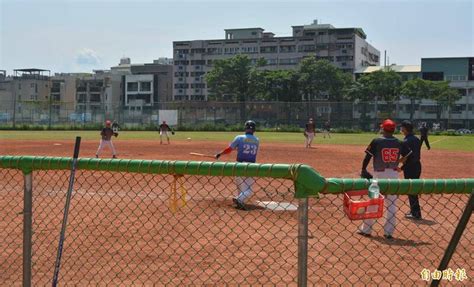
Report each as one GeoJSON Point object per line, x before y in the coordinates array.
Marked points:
{"type": "Point", "coordinates": [346, 48]}
{"type": "Point", "coordinates": [149, 83]}
{"type": "Point", "coordinates": [30, 87]}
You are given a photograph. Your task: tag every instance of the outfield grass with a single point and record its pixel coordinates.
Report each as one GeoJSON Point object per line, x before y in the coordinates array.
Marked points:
{"type": "Point", "coordinates": [455, 143]}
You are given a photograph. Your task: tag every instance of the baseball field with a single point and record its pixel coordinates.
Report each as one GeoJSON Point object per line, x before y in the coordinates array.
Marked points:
{"type": "Point", "coordinates": [338, 156]}
{"type": "Point", "coordinates": [124, 229]}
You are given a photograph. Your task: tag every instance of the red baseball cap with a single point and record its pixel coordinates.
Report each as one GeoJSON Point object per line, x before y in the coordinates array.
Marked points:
{"type": "Point", "coordinates": [388, 125]}
{"type": "Point", "coordinates": [108, 123]}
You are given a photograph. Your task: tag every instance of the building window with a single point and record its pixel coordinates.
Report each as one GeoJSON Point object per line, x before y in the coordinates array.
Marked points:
{"type": "Point", "coordinates": [198, 62]}
{"type": "Point", "coordinates": [195, 74]}
{"type": "Point", "coordinates": [272, 62]}
{"type": "Point", "coordinates": [132, 87]}
{"type": "Point", "coordinates": [288, 49]}
{"type": "Point", "coordinates": [19, 86]}
{"type": "Point", "coordinates": [95, 98]}
{"type": "Point", "coordinates": [433, 76]}
{"type": "Point", "coordinates": [145, 86]}
{"type": "Point", "coordinates": [269, 49]}
{"type": "Point", "coordinates": [198, 50]}
{"type": "Point", "coordinates": [254, 33]}
{"type": "Point", "coordinates": [181, 86]}
{"type": "Point", "coordinates": [81, 98]}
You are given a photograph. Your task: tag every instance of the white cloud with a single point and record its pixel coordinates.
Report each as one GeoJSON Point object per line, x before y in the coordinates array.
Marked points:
{"type": "Point", "coordinates": [87, 57]}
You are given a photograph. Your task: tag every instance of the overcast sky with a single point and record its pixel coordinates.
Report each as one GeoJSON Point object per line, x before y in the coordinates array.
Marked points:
{"type": "Point", "coordinates": [78, 36]}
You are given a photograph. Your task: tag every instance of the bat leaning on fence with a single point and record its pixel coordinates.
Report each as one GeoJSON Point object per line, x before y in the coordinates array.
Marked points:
{"type": "Point", "coordinates": [62, 235]}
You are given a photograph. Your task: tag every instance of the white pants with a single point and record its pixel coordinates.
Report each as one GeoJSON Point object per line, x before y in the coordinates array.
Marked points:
{"type": "Point", "coordinates": [391, 207]}
{"type": "Point", "coordinates": [309, 138]}
{"type": "Point", "coordinates": [327, 133]}
{"type": "Point", "coordinates": [105, 143]}
{"type": "Point", "coordinates": [164, 133]}
{"type": "Point", "coordinates": [244, 185]}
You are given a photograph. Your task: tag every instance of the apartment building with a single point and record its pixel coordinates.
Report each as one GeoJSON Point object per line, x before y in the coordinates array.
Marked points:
{"type": "Point", "coordinates": [6, 97]}
{"type": "Point", "coordinates": [149, 84]}
{"type": "Point", "coordinates": [346, 48]}
{"type": "Point", "coordinates": [92, 93]}
{"type": "Point", "coordinates": [459, 71]}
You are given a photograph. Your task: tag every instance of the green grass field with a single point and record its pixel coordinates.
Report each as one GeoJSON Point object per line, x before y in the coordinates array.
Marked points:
{"type": "Point", "coordinates": [454, 143]}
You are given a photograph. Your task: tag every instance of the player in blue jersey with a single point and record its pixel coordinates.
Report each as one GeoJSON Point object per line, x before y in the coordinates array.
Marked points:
{"type": "Point", "coordinates": [247, 149]}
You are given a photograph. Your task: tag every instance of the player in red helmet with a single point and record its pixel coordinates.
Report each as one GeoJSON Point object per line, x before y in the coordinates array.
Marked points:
{"type": "Point", "coordinates": [388, 152]}
{"type": "Point", "coordinates": [106, 139]}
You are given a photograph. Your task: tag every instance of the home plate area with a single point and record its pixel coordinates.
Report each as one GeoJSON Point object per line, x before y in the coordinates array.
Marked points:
{"type": "Point", "coordinates": [277, 206]}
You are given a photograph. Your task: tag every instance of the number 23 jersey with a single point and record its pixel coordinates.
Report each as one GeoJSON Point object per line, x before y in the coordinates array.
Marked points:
{"type": "Point", "coordinates": [386, 152]}
{"type": "Point", "coordinates": [247, 147]}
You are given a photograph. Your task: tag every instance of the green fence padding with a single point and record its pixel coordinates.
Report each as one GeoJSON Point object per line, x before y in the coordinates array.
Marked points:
{"type": "Point", "coordinates": [402, 186]}
{"type": "Point", "coordinates": [308, 183]}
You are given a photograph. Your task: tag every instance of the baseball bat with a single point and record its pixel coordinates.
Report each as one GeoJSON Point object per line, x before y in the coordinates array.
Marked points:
{"type": "Point", "coordinates": [62, 235]}
{"type": "Point", "coordinates": [202, 155]}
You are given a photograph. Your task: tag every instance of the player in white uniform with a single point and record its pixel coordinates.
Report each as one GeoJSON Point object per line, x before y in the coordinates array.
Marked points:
{"type": "Point", "coordinates": [386, 152]}
{"type": "Point", "coordinates": [309, 132]}
{"type": "Point", "coordinates": [106, 139]}
{"type": "Point", "coordinates": [247, 149]}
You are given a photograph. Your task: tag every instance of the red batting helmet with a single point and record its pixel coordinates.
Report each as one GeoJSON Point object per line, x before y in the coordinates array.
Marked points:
{"type": "Point", "coordinates": [388, 125]}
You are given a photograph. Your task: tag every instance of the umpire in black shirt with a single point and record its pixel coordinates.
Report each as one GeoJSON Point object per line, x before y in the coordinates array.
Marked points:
{"type": "Point", "coordinates": [412, 167]}
{"type": "Point", "coordinates": [424, 135]}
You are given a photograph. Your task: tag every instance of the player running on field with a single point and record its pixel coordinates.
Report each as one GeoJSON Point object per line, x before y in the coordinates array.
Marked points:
{"type": "Point", "coordinates": [309, 132]}
{"type": "Point", "coordinates": [247, 149]}
{"type": "Point", "coordinates": [165, 129]}
{"type": "Point", "coordinates": [386, 152]}
{"type": "Point", "coordinates": [106, 139]}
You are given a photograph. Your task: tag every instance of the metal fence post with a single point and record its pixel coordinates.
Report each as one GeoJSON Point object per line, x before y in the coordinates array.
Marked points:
{"type": "Point", "coordinates": [27, 228]}
{"type": "Point", "coordinates": [303, 242]}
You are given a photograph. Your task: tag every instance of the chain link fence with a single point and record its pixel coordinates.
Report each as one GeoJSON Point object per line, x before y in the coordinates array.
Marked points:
{"type": "Point", "coordinates": [129, 228]}
{"type": "Point", "coordinates": [338, 255]}
{"type": "Point", "coordinates": [340, 115]}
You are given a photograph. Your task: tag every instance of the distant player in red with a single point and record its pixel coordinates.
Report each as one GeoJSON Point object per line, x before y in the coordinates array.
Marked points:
{"type": "Point", "coordinates": [106, 139]}
{"type": "Point", "coordinates": [309, 132]}
{"type": "Point", "coordinates": [164, 130]}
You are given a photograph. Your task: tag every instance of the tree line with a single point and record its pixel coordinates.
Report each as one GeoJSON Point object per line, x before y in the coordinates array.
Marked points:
{"type": "Point", "coordinates": [238, 79]}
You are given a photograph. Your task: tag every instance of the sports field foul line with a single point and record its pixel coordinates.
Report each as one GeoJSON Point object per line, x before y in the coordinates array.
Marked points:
{"type": "Point", "coordinates": [437, 141]}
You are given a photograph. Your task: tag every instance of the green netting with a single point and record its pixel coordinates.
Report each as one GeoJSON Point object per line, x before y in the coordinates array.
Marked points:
{"type": "Point", "coordinates": [308, 183]}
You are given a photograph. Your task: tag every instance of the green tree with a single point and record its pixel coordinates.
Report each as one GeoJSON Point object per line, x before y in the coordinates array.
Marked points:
{"type": "Point", "coordinates": [277, 85]}
{"type": "Point", "coordinates": [381, 86]}
{"type": "Point", "coordinates": [358, 92]}
{"type": "Point", "coordinates": [319, 79]}
{"type": "Point", "coordinates": [444, 96]}
{"type": "Point", "coordinates": [415, 90]}
{"type": "Point", "coordinates": [230, 79]}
